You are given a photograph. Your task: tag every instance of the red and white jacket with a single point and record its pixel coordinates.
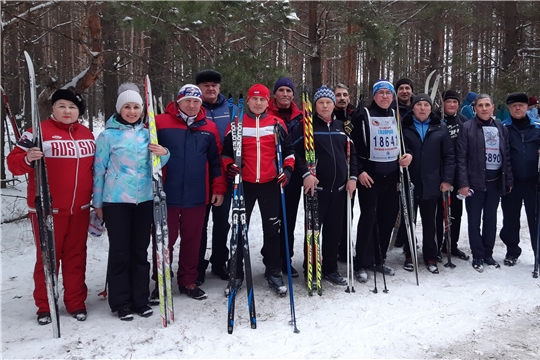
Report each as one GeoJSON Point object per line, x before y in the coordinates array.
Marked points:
{"type": "Point", "coordinates": [259, 156]}
{"type": "Point", "coordinates": [69, 155]}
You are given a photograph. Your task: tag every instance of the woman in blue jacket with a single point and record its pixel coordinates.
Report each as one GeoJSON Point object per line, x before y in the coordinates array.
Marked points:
{"type": "Point", "coordinates": [123, 199]}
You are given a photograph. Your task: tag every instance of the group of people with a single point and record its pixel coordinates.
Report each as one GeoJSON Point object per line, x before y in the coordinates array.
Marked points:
{"type": "Point", "coordinates": [363, 150]}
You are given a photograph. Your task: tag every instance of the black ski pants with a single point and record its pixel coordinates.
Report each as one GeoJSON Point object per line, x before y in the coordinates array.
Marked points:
{"type": "Point", "coordinates": [482, 210]}
{"type": "Point", "coordinates": [220, 233]}
{"type": "Point", "coordinates": [427, 208]}
{"type": "Point", "coordinates": [378, 211]}
{"type": "Point", "coordinates": [293, 192]}
{"type": "Point", "coordinates": [456, 211]}
{"type": "Point", "coordinates": [268, 195]}
{"type": "Point", "coordinates": [522, 192]}
{"type": "Point", "coordinates": [128, 269]}
{"type": "Point", "coordinates": [331, 206]}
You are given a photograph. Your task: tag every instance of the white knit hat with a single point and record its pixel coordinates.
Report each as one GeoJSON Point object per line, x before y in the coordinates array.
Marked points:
{"type": "Point", "coordinates": [128, 92]}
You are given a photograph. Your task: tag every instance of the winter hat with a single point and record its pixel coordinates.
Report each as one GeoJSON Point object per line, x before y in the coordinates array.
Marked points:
{"type": "Point", "coordinates": [383, 84]}
{"type": "Point", "coordinates": [471, 96]}
{"type": "Point", "coordinates": [324, 92]}
{"type": "Point", "coordinates": [517, 98]}
{"type": "Point", "coordinates": [207, 76]}
{"type": "Point", "coordinates": [404, 81]}
{"type": "Point", "coordinates": [128, 93]}
{"type": "Point", "coordinates": [258, 90]}
{"type": "Point", "coordinates": [533, 100]}
{"type": "Point", "coordinates": [421, 97]}
{"type": "Point", "coordinates": [66, 94]}
{"type": "Point", "coordinates": [284, 82]}
{"type": "Point", "coordinates": [189, 91]}
{"type": "Point", "coordinates": [450, 94]}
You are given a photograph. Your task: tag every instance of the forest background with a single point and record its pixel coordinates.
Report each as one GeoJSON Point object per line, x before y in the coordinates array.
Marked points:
{"type": "Point", "coordinates": [94, 46]}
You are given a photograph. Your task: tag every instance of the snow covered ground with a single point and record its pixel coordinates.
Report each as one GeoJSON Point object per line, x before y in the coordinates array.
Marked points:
{"type": "Point", "coordinates": [457, 314]}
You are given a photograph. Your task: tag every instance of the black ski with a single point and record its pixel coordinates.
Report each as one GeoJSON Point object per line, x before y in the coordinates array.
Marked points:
{"type": "Point", "coordinates": [239, 224]}
{"type": "Point", "coordinates": [43, 203]}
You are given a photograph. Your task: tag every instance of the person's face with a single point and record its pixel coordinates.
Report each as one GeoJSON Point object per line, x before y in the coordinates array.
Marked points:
{"type": "Point", "coordinates": [210, 91]}
{"type": "Point", "coordinates": [518, 110]}
{"type": "Point", "coordinates": [284, 96]}
{"type": "Point", "coordinates": [190, 107]}
{"type": "Point", "coordinates": [484, 109]}
{"type": "Point", "coordinates": [383, 98]}
{"type": "Point", "coordinates": [257, 104]}
{"type": "Point", "coordinates": [65, 111]}
{"type": "Point", "coordinates": [404, 93]}
{"type": "Point", "coordinates": [451, 106]}
{"type": "Point", "coordinates": [342, 98]}
{"type": "Point", "coordinates": [131, 112]}
{"type": "Point", "coordinates": [421, 110]}
{"type": "Point", "coordinates": [324, 107]}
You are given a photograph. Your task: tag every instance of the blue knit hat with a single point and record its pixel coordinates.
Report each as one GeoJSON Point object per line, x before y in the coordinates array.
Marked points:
{"type": "Point", "coordinates": [471, 96]}
{"type": "Point", "coordinates": [383, 84]}
{"type": "Point", "coordinates": [284, 82]}
{"type": "Point", "coordinates": [323, 92]}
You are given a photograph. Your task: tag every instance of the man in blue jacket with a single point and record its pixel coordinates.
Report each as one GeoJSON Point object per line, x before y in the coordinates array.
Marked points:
{"type": "Point", "coordinates": [217, 110]}
{"type": "Point", "coordinates": [524, 137]}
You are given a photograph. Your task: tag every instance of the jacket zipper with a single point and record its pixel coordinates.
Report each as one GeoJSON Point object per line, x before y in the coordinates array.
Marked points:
{"type": "Point", "coordinates": [257, 136]}
{"type": "Point", "coordinates": [76, 168]}
{"type": "Point", "coordinates": [333, 155]}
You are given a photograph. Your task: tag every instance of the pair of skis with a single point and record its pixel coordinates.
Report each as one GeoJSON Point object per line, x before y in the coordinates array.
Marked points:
{"type": "Point", "coordinates": [9, 115]}
{"type": "Point", "coordinates": [239, 223]}
{"type": "Point", "coordinates": [313, 251]}
{"type": "Point", "coordinates": [43, 204]}
{"type": "Point", "coordinates": [406, 191]}
{"type": "Point", "coordinates": [166, 308]}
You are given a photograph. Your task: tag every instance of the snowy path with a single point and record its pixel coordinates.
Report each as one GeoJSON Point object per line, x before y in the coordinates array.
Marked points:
{"type": "Point", "coordinates": [456, 314]}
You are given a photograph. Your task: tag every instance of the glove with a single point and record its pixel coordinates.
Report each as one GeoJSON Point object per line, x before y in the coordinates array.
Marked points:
{"type": "Point", "coordinates": [232, 170]}
{"type": "Point", "coordinates": [348, 126]}
{"type": "Point", "coordinates": [285, 176]}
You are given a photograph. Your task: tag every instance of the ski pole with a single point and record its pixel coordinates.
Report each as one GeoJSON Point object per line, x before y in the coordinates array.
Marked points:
{"type": "Point", "coordinates": [284, 210]}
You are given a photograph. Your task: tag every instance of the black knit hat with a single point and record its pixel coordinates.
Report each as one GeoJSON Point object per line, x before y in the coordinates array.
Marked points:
{"type": "Point", "coordinates": [421, 97]}
{"type": "Point", "coordinates": [66, 94]}
{"type": "Point", "coordinates": [450, 94]}
{"type": "Point", "coordinates": [207, 76]}
{"type": "Point", "coordinates": [404, 81]}
{"type": "Point", "coordinates": [517, 97]}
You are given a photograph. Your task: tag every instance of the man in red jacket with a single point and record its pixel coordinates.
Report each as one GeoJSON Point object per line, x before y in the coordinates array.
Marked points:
{"type": "Point", "coordinates": [69, 148]}
{"type": "Point", "coordinates": [195, 162]}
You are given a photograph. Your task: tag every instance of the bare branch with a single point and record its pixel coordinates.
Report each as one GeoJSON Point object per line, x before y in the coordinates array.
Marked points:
{"type": "Point", "coordinates": [27, 12]}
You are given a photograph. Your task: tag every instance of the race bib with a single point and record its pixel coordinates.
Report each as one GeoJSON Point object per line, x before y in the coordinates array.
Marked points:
{"type": "Point", "coordinates": [384, 141]}
{"type": "Point", "coordinates": [493, 152]}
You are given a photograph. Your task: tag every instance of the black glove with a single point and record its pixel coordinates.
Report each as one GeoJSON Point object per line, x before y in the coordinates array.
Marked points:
{"type": "Point", "coordinates": [232, 170]}
{"type": "Point", "coordinates": [284, 178]}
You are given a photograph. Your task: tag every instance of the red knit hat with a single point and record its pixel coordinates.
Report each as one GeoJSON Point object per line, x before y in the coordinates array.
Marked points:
{"type": "Point", "coordinates": [533, 100]}
{"type": "Point", "coordinates": [259, 90]}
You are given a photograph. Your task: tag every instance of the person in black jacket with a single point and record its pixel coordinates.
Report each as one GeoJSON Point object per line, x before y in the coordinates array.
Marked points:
{"type": "Point", "coordinates": [343, 111]}
{"type": "Point", "coordinates": [483, 165]}
{"type": "Point", "coordinates": [453, 120]}
{"type": "Point", "coordinates": [331, 179]}
{"type": "Point", "coordinates": [432, 171]}
{"type": "Point", "coordinates": [524, 138]}
{"type": "Point", "coordinates": [376, 138]}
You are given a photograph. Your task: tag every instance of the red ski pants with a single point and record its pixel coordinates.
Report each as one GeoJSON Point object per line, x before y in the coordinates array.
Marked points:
{"type": "Point", "coordinates": [70, 235]}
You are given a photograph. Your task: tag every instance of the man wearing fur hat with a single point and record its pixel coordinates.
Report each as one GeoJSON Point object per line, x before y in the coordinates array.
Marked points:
{"type": "Point", "coordinates": [453, 120]}
{"type": "Point", "coordinates": [217, 111]}
{"type": "Point", "coordinates": [282, 105]}
{"type": "Point", "coordinates": [331, 179]}
{"type": "Point", "coordinates": [193, 178]}
{"type": "Point", "coordinates": [376, 138]}
{"type": "Point", "coordinates": [524, 137]}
